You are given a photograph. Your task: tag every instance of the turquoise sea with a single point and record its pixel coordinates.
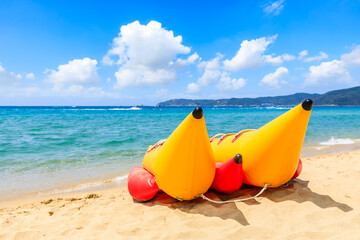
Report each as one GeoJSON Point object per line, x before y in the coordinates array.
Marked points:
{"type": "Point", "coordinates": [46, 150]}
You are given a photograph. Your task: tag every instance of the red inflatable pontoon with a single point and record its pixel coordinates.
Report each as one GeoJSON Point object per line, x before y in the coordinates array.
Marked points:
{"type": "Point", "coordinates": [298, 170]}
{"type": "Point", "coordinates": [229, 175]}
{"type": "Point", "coordinates": [141, 184]}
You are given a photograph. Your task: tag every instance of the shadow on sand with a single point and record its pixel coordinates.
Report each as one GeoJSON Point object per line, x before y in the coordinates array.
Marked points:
{"type": "Point", "coordinates": [296, 190]}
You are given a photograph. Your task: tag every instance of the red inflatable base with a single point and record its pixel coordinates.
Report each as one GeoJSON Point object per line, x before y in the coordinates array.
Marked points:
{"type": "Point", "coordinates": [141, 184]}
{"type": "Point", "coordinates": [229, 175]}
{"type": "Point", "coordinates": [298, 170]}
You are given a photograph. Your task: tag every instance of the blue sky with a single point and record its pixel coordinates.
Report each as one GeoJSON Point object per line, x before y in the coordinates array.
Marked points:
{"type": "Point", "coordinates": [129, 53]}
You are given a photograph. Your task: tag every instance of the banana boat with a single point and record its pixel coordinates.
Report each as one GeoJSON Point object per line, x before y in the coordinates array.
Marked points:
{"type": "Point", "coordinates": [183, 165]}
{"type": "Point", "coordinates": [270, 154]}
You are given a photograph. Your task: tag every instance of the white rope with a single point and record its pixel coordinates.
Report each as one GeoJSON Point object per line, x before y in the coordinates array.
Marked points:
{"type": "Point", "coordinates": [158, 144]}
{"type": "Point", "coordinates": [217, 135]}
{"type": "Point", "coordinates": [224, 135]}
{"type": "Point", "coordinates": [244, 131]}
{"type": "Point", "coordinates": [233, 201]}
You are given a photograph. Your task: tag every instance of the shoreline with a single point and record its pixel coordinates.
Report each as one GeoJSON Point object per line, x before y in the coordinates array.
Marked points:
{"type": "Point", "coordinates": [318, 149]}
{"type": "Point", "coordinates": [70, 151]}
{"type": "Point", "coordinates": [112, 182]}
{"type": "Point", "coordinates": [323, 203]}
{"type": "Point", "coordinates": [82, 187]}
{"type": "Point", "coordinates": [117, 183]}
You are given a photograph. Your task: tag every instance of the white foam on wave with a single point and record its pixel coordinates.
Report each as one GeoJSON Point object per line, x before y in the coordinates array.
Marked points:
{"type": "Point", "coordinates": [84, 186]}
{"type": "Point", "coordinates": [339, 141]}
{"type": "Point", "coordinates": [277, 108]}
{"type": "Point", "coordinates": [74, 188]}
{"type": "Point", "coordinates": [85, 109]}
{"type": "Point", "coordinates": [120, 178]}
{"type": "Point", "coordinates": [124, 109]}
{"type": "Point", "coordinates": [103, 109]}
{"type": "Point", "coordinates": [321, 148]}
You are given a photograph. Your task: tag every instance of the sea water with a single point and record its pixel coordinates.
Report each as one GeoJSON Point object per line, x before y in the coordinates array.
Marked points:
{"type": "Point", "coordinates": [62, 149]}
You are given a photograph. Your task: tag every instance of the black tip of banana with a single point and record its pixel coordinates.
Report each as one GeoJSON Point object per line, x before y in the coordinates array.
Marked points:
{"type": "Point", "coordinates": [198, 113]}
{"type": "Point", "coordinates": [307, 104]}
{"type": "Point", "coordinates": [238, 159]}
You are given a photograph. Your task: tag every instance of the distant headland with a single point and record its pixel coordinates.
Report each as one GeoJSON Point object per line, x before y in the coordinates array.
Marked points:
{"type": "Point", "coordinates": [342, 97]}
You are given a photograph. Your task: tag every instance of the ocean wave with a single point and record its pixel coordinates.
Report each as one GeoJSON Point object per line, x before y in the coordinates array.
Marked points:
{"type": "Point", "coordinates": [339, 141]}
{"type": "Point", "coordinates": [124, 109]}
{"type": "Point", "coordinates": [117, 142]}
{"type": "Point", "coordinates": [103, 109]}
{"type": "Point", "coordinates": [277, 108]}
{"type": "Point", "coordinates": [120, 178]}
{"type": "Point", "coordinates": [76, 188]}
{"type": "Point", "coordinates": [84, 186]}
{"type": "Point", "coordinates": [85, 109]}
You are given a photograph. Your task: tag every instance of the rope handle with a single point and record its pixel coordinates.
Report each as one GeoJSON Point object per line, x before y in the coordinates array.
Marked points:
{"type": "Point", "coordinates": [224, 135]}
{"type": "Point", "coordinates": [237, 200]}
{"type": "Point", "coordinates": [158, 144]}
{"type": "Point", "coordinates": [217, 135]}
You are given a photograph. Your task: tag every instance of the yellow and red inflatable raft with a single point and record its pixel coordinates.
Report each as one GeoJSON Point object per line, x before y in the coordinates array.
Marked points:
{"type": "Point", "coordinates": [187, 164]}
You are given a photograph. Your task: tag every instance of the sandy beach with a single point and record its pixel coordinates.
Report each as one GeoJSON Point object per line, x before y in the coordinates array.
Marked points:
{"type": "Point", "coordinates": [324, 203]}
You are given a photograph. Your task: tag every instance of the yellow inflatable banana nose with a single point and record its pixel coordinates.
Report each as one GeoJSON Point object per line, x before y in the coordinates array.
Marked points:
{"type": "Point", "coordinates": [271, 153]}
{"type": "Point", "coordinates": [183, 164]}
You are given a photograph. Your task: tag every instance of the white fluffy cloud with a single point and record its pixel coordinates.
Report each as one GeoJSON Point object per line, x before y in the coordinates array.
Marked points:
{"type": "Point", "coordinates": [352, 59]}
{"type": "Point", "coordinates": [8, 78]}
{"type": "Point", "coordinates": [275, 79]}
{"type": "Point", "coordinates": [147, 55]}
{"type": "Point", "coordinates": [210, 75]}
{"type": "Point", "coordinates": [213, 74]}
{"type": "Point", "coordinates": [251, 55]}
{"type": "Point", "coordinates": [72, 79]}
{"type": "Point", "coordinates": [321, 56]}
{"type": "Point", "coordinates": [335, 71]}
{"type": "Point", "coordinates": [193, 88]}
{"type": "Point", "coordinates": [227, 83]}
{"type": "Point", "coordinates": [274, 8]}
{"type": "Point", "coordinates": [138, 76]}
{"type": "Point", "coordinates": [211, 71]}
{"type": "Point", "coordinates": [303, 54]}
{"type": "Point", "coordinates": [279, 59]}
{"type": "Point", "coordinates": [287, 57]}
{"type": "Point", "coordinates": [75, 72]}
{"type": "Point", "coordinates": [75, 78]}
{"type": "Point", "coordinates": [327, 73]}
{"type": "Point", "coordinates": [184, 62]}
{"type": "Point", "coordinates": [30, 76]}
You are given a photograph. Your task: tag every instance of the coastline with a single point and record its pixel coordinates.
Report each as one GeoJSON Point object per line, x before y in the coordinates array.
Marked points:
{"type": "Point", "coordinates": [313, 150]}
{"type": "Point", "coordinates": [120, 181]}
{"type": "Point", "coordinates": [323, 203]}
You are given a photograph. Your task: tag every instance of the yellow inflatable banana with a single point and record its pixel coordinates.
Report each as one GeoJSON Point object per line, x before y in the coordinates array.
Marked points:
{"type": "Point", "coordinates": [184, 164]}
{"type": "Point", "coordinates": [271, 153]}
